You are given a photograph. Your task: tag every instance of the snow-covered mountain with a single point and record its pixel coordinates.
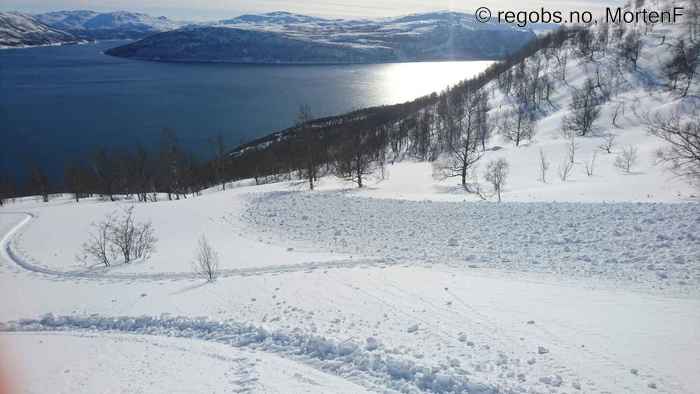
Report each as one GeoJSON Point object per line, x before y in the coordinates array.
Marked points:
{"type": "Point", "coordinates": [291, 38]}
{"type": "Point", "coordinates": [118, 24]}
{"type": "Point", "coordinates": [20, 30]}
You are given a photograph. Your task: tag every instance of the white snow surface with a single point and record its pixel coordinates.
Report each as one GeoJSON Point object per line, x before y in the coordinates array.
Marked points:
{"type": "Point", "coordinates": [80, 362]}
{"type": "Point", "coordinates": [418, 312]}
{"type": "Point", "coordinates": [91, 20]}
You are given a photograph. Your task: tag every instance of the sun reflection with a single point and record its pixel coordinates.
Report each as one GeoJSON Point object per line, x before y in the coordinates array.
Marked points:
{"type": "Point", "coordinates": [406, 81]}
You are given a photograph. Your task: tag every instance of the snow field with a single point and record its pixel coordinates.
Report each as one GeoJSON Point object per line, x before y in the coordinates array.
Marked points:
{"type": "Point", "coordinates": [53, 240]}
{"type": "Point", "coordinates": [84, 362]}
{"type": "Point", "coordinates": [459, 324]}
{"type": "Point", "coordinates": [345, 358]}
{"type": "Point", "coordinates": [646, 245]}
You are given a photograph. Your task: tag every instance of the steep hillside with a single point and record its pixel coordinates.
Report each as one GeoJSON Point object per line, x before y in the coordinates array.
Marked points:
{"type": "Point", "coordinates": [580, 102]}
{"type": "Point", "coordinates": [20, 30]}
{"type": "Point", "coordinates": [291, 38]}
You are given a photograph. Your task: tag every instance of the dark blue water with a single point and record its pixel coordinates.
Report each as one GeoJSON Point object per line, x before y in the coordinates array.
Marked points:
{"type": "Point", "coordinates": [58, 103]}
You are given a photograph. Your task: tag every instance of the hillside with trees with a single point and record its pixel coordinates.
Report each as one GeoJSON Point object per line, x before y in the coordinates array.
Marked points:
{"type": "Point", "coordinates": [583, 85]}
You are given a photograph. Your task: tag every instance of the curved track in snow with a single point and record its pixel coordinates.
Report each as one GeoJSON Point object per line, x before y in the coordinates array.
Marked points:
{"type": "Point", "coordinates": [370, 366]}
{"type": "Point", "coordinates": [11, 255]}
{"type": "Point", "coordinates": [100, 362]}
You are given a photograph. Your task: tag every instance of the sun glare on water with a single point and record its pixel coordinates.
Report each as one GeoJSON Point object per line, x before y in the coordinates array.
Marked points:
{"type": "Point", "coordinates": [407, 81]}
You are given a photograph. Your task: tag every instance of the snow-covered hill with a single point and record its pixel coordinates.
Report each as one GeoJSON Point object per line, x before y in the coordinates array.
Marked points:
{"type": "Point", "coordinates": [91, 20]}
{"type": "Point", "coordinates": [21, 30]}
{"type": "Point", "coordinates": [626, 69]}
{"type": "Point", "coordinates": [63, 27]}
{"type": "Point", "coordinates": [292, 38]}
{"type": "Point", "coordinates": [118, 24]}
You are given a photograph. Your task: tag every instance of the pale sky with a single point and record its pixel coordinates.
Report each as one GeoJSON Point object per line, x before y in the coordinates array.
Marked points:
{"type": "Point", "coordinates": [221, 9]}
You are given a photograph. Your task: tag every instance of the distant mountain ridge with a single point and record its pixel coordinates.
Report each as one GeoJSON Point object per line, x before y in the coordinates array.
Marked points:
{"type": "Point", "coordinates": [67, 27]}
{"type": "Point", "coordinates": [107, 25]}
{"type": "Point", "coordinates": [23, 30]}
{"type": "Point", "coordinates": [283, 37]}
{"type": "Point", "coordinates": [274, 37]}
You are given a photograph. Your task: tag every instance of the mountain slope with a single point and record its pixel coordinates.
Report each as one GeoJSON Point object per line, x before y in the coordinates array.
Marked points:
{"type": "Point", "coordinates": [20, 30]}
{"type": "Point", "coordinates": [291, 38]}
{"type": "Point", "coordinates": [243, 46]}
{"type": "Point", "coordinates": [532, 98]}
{"type": "Point", "coordinates": [108, 25]}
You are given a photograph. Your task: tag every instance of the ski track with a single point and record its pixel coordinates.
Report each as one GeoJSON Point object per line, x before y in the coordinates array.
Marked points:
{"type": "Point", "coordinates": [373, 368]}
{"type": "Point", "coordinates": [11, 253]}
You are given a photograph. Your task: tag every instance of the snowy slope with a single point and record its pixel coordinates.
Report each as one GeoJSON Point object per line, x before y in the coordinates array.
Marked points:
{"type": "Point", "coordinates": [19, 30]}
{"type": "Point", "coordinates": [91, 20]}
{"type": "Point", "coordinates": [410, 284]}
{"type": "Point", "coordinates": [635, 94]}
{"type": "Point", "coordinates": [67, 20]}
{"type": "Point", "coordinates": [108, 25]}
{"type": "Point", "coordinates": [292, 38]}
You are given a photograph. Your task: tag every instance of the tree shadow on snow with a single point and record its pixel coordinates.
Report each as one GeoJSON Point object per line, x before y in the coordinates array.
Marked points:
{"type": "Point", "coordinates": [190, 287]}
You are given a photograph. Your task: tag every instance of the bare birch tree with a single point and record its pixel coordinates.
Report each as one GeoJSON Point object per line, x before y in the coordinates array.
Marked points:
{"type": "Point", "coordinates": [206, 263]}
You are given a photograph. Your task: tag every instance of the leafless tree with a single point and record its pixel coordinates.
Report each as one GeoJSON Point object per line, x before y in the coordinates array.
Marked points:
{"type": "Point", "coordinates": [683, 64]}
{"type": "Point", "coordinates": [544, 166]}
{"type": "Point", "coordinates": [7, 189]}
{"type": "Point", "coordinates": [683, 137]}
{"type": "Point", "coordinates": [219, 162]}
{"type": "Point", "coordinates": [463, 149]}
{"type": "Point", "coordinates": [631, 47]}
{"type": "Point", "coordinates": [308, 146]}
{"type": "Point", "coordinates": [106, 170]}
{"type": "Point", "coordinates": [206, 263]}
{"type": "Point", "coordinates": [565, 169]}
{"type": "Point", "coordinates": [76, 180]}
{"type": "Point", "coordinates": [571, 145]}
{"type": "Point", "coordinates": [496, 173]}
{"type": "Point", "coordinates": [616, 114]}
{"type": "Point", "coordinates": [603, 37]}
{"type": "Point", "coordinates": [562, 56]}
{"type": "Point", "coordinates": [483, 124]}
{"type": "Point", "coordinates": [585, 110]}
{"type": "Point", "coordinates": [518, 124]}
{"type": "Point", "coordinates": [422, 136]}
{"type": "Point", "coordinates": [584, 41]}
{"type": "Point", "coordinates": [608, 143]}
{"type": "Point", "coordinates": [172, 165]}
{"type": "Point", "coordinates": [355, 160]}
{"type": "Point", "coordinates": [98, 247]}
{"type": "Point", "coordinates": [626, 159]}
{"type": "Point", "coordinates": [131, 239]}
{"type": "Point", "coordinates": [39, 182]}
{"type": "Point", "coordinates": [590, 165]}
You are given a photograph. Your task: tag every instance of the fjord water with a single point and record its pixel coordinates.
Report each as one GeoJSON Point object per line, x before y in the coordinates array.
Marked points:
{"type": "Point", "coordinates": [58, 103]}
